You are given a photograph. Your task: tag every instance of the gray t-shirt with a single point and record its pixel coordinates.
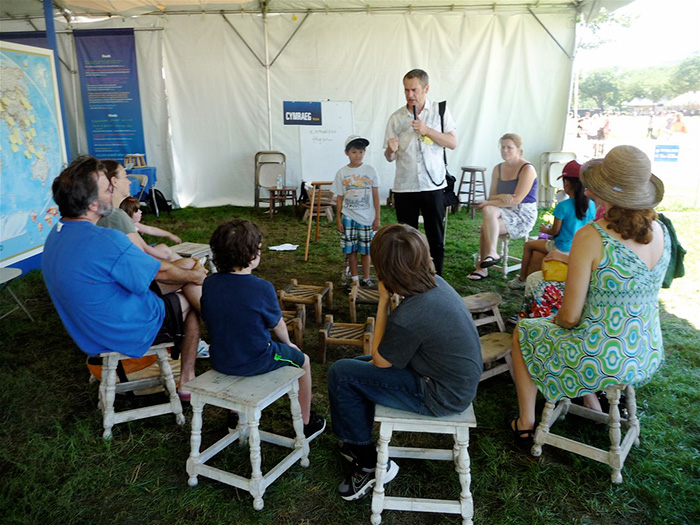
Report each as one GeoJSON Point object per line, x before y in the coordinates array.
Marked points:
{"type": "Point", "coordinates": [118, 220]}
{"type": "Point", "coordinates": [433, 334]}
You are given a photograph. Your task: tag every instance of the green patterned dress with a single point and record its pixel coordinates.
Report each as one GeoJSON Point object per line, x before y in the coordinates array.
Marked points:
{"type": "Point", "coordinates": [618, 339]}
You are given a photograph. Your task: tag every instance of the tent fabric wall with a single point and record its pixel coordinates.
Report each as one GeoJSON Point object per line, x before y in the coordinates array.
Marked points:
{"type": "Point", "coordinates": [204, 96]}
{"type": "Point", "coordinates": [499, 74]}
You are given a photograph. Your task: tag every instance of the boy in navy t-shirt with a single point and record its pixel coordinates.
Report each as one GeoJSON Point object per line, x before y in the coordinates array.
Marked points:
{"type": "Point", "coordinates": [240, 309]}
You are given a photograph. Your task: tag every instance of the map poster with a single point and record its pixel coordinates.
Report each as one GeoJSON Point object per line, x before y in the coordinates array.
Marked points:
{"type": "Point", "coordinates": [32, 149]}
{"type": "Point", "coordinates": [110, 87]}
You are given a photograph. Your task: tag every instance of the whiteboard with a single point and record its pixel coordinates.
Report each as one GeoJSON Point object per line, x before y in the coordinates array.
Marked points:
{"type": "Point", "coordinates": [323, 147]}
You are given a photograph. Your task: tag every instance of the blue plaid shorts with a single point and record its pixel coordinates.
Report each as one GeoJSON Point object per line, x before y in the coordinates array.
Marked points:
{"type": "Point", "coordinates": [357, 237]}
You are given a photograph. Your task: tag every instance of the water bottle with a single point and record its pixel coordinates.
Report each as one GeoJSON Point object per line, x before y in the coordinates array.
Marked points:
{"type": "Point", "coordinates": [280, 182]}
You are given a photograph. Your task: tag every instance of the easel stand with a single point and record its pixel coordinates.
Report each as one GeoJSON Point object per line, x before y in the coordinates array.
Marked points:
{"type": "Point", "coordinates": [317, 201]}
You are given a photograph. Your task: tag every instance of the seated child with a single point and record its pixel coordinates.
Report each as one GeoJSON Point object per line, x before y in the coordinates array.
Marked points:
{"type": "Point", "coordinates": [569, 216]}
{"type": "Point", "coordinates": [132, 207]}
{"type": "Point", "coordinates": [239, 310]}
{"type": "Point", "coordinates": [357, 189]}
{"type": "Point", "coordinates": [426, 356]}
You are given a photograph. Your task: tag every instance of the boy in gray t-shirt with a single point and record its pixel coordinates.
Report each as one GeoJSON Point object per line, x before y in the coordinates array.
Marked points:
{"type": "Point", "coordinates": [426, 356]}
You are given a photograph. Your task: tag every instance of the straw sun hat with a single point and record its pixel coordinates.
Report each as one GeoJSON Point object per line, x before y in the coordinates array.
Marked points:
{"type": "Point", "coordinates": [624, 179]}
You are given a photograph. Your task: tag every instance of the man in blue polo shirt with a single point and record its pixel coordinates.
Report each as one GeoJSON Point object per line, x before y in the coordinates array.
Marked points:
{"type": "Point", "coordinates": [111, 296]}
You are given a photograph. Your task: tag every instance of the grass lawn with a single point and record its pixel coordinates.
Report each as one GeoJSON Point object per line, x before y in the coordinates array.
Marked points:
{"type": "Point", "coordinates": [57, 469]}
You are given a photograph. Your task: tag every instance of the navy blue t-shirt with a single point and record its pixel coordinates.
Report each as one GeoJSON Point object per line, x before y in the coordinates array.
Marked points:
{"type": "Point", "coordinates": [239, 311]}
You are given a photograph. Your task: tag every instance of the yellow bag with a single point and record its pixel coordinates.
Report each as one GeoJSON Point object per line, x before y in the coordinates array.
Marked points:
{"type": "Point", "coordinates": [554, 271]}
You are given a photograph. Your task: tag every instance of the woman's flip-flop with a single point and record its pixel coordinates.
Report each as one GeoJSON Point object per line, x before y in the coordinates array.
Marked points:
{"type": "Point", "coordinates": [475, 276]}
{"type": "Point", "coordinates": [489, 261]}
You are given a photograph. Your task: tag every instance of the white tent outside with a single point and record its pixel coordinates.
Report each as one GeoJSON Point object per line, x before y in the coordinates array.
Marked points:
{"type": "Point", "coordinates": [205, 89]}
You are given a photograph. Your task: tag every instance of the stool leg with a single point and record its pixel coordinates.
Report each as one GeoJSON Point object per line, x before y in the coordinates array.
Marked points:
{"type": "Point", "coordinates": [614, 456]}
{"type": "Point", "coordinates": [256, 480]}
{"type": "Point", "coordinates": [166, 372]}
{"type": "Point", "coordinates": [385, 431]}
{"type": "Point", "coordinates": [543, 429]}
{"type": "Point", "coordinates": [195, 439]}
{"type": "Point", "coordinates": [465, 478]}
{"type": "Point", "coordinates": [318, 308]}
{"type": "Point", "coordinates": [499, 319]}
{"type": "Point", "coordinates": [632, 421]}
{"type": "Point", "coordinates": [299, 439]}
{"type": "Point", "coordinates": [109, 381]}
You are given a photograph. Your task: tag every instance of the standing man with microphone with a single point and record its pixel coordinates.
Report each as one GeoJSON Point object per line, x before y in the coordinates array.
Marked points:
{"type": "Point", "coordinates": [413, 139]}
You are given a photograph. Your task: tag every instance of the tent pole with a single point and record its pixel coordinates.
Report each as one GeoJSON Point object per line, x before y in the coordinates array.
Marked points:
{"type": "Point", "coordinates": [51, 40]}
{"type": "Point", "coordinates": [267, 81]}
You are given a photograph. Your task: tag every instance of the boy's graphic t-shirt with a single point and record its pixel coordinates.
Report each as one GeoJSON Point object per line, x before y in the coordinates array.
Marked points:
{"type": "Point", "coordinates": [355, 186]}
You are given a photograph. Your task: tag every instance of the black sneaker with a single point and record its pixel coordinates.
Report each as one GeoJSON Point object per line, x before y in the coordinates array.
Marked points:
{"type": "Point", "coordinates": [232, 421]}
{"type": "Point", "coordinates": [362, 481]}
{"type": "Point", "coordinates": [314, 427]}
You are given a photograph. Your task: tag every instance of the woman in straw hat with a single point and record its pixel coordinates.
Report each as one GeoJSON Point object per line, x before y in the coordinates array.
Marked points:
{"type": "Point", "coordinates": [607, 331]}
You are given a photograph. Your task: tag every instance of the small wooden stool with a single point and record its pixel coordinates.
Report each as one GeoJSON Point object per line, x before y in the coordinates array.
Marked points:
{"type": "Point", "coordinates": [197, 250]}
{"type": "Point", "coordinates": [350, 334]}
{"type": "Point", "coordinates": [496, 347]}
{"type": "Point", "coordinates": [109, 386]}
{"type": "Point", "coordinates": [484, 308]}
{"type": "Point", "coordinates": [296, 322]}
{"type": "Point", "coordinates": [249, 396]}
{"type": "Point", "coordinates": [134, 160]}
{"type": "Point", "coordinates": [390, 420]}
{"type": "Point", "coordinates": [359, 295]}
{"type": "Point", "coordinates": [282, 195]}
{"type": "Point", "coordinates": [296, 293]}
{"type": "Point", "coordinates": [473, 181]}
{"type": "Point", "coordinates": [615, 457]}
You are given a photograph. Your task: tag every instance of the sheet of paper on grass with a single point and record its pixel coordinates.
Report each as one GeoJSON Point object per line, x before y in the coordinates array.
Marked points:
{"type": "Point", "coordinates": [287, 247]}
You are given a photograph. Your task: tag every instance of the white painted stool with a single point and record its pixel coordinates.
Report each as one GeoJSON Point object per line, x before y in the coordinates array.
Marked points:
{"type": "Point", "coordinates": [390, 420]}
{"type": "Point", "coordinates": [508, 262]}
{"type": "Point", "coordinates": [109, 386]}
{"type": "Point", "coordinates": [615, 457]}
{"type": "Point", "coordinates": [248, 396]}
{"type": "Point", "coordinates": [195, 249]}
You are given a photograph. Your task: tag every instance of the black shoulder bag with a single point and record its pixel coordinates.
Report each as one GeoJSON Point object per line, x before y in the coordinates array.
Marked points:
{"type": "Point", "coordinates": [448, 193]}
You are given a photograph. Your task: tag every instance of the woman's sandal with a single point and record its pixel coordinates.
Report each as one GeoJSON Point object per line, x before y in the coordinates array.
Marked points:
{"type": "Point", "coordinates": [522, 438]}
{"type": "Point", "coordinates": [489, 261]}
{"type": "Point", "coordinates": [476, 276]}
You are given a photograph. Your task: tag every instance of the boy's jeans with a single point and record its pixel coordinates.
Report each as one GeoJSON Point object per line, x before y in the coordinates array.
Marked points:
{"type": "Point", "coordinates": [355, 385]}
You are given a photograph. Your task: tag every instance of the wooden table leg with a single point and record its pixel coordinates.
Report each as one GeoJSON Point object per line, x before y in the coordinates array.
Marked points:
{"type": "Point", "coordinates": [311, 218]}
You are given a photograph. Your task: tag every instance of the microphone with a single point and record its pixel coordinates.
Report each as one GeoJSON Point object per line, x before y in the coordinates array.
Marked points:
{"type": "Point", "coordinates": [415, 115]}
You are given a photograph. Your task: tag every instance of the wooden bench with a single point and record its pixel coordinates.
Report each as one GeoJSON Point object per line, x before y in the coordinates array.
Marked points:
{"type": "Point", "coordinates": [249, 396]}
{"type": "Point", "coordinates": [392, 420]}
{"type": "Point", "coordinates": [296, 293]}
{"type": "Point", "coordinates": [345, 334]}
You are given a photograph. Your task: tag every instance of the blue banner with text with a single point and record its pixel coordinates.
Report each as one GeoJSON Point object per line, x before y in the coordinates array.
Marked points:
{"type": "Point", "coordinates": [302, 113]}
{"type": "Point", "coordinates": [110, 85]}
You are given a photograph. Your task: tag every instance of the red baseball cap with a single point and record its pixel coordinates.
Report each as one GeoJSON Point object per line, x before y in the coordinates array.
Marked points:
{"type": "Point", "coordinates": [572, 170]}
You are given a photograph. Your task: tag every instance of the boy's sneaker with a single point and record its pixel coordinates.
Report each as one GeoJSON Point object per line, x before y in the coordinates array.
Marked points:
{"type": "Point", "coordinates": [202, 350]}
{"type": "Point", "coordinates": [362, 481]}
{"type": "Point", "coordinates": [232, 421]}
{"type": "Point", "coordinates": [516, 284]}
{"type": "Point", "coordinates": [314, 427]}
{"type": "Point", "coordinates": [368, 283]}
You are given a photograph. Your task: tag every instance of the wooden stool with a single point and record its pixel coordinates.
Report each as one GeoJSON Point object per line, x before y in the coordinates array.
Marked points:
{"type": "Point", "coordinates": [197, 250]}
{"type": "Point", "coordinates": [390, 420]}
{"type": "Point", "coordinates": [296, 293]}
{"type": "Point", "coordinates": [496, 347]}
{"type": "Point", "coordinates": [484, 308]}
{"type": "Point", "coordinates": [296, 322]}
{"type": "Point", "coordinates": [109, 386]}
{"type": "Point", "coordinates": [349, 334]}
{"type": "Point", "coordinates": [282, 195]}
{"type": "Point", "coordinates": [359, 295]}
{"type": "Point", "coordinates": [473, 181]}
{"type": "Point", "coordinates": [615, 457]}
{"type": "Point", "coordinates": [134, 160]}
{"type": "Point", "coordinates": [249, 396]}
